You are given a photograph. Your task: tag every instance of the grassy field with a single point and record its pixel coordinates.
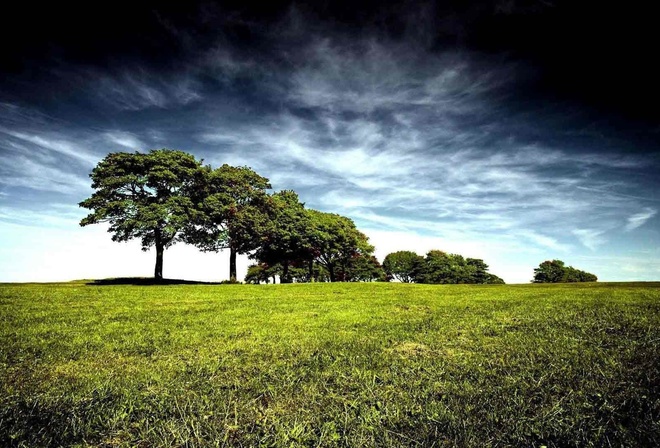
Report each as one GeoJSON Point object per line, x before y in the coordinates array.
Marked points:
{"type": "Point", "coordinates": [329, 365]}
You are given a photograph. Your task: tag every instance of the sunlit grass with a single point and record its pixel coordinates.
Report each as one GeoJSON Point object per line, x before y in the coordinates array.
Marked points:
{"type": "Point", "coordinates": [329, 365]}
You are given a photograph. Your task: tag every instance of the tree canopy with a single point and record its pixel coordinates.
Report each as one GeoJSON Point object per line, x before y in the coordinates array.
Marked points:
{"type": "Point", "coordinates": [232, 211]}
{"type": "Point", "coordinates": [286, 238]}
{"type": "Point", "coordinates": [336, 241]}
{"type": "Point", "coordinates": [145, 196]}
{"type": "Point", "coordinates": [438, 267]}
{"type": "Point", "coordinates": [404, 265]}
{"type": "Point", "coordinates": [555, 271]}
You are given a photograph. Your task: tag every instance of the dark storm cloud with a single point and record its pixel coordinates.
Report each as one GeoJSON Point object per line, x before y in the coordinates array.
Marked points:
{"type": "Point", "coordinates": [596, 57]}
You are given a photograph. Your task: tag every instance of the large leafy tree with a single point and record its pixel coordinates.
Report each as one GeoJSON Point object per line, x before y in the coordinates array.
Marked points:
{"type": "Point", "coordinates": [144, 196]}
{"type": "Point", "coordinates": [232, 211]}
{"type": "Point", "coordinates": [336, 241]}
{"type": "Point", "coordinates": [477, 271]}
{"type": "Point", "coordinates": [555, 271]}
{"type": "Point", "coordinates": [550, 271]}
{"type": "Point", "coordinates": [364, 268]}
{"type": "Point", "coordinates": [286, 239]}
{"type": "Point", "coordinates": [404, 265]}
{"type": "Point", "coordinates": [441, 267]}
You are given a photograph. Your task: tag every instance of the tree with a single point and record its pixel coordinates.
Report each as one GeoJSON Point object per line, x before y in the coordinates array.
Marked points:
{"type": "Point", "coordinates": [145, 196]}
{"type": "Point", "coordinates": [494, 280]}
{"type": "Point", "coordinates": [286, 239]}
{"type": "Point", "coordinates": [335, 240]}
{"type": "Point", "coordinates": [364, 268]}
{"type": "Point", "coordinates": [232, 211]}
{"type": "Point", "coordinates": [478, 271]}
{"type": "Point", "coordinates": [262, 272]}
{"type": "Point", "coordinates": [308, 271]}
{"type": "Point", "coordinates": [549, 272]}
{"type": "Point", "coordinates": [556, 272]}
{"type": "Point", "coordinates": [404, 265]}
{"type": "Point", "coordinates": [441, 267]}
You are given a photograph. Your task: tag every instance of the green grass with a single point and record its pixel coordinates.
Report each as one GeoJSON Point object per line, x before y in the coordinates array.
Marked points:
{"type": "Point", "coordinates": [329, 365]}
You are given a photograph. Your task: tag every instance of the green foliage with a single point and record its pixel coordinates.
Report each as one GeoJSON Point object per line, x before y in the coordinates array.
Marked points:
{"type": "Point", "coordinates": [299, 272]}
{"type": "Point", "coordinates": [233, 211]}
{"type": "Point", "coordinates": [299, 240]}
{"type": "Point", "coordinates": [231, 281]}
{"type": "Point", "coordinates": [286, 238]}
{"type": "Point", "coordinates": [443, 268]}
{"type": "Point", "coordinates": [144, 196]}
{"type": "Point", "coordinates": [572, 275]}
{"type": "Point", "coordinates": [336, 241]}
{"type": "Point", "coordinates": [549, 272]}
{"type": "Point", "coordinates": [233, 206]}
{"type": "Point", "coordinates": [477, 272]}
{"type": "Point", "coordinates": [492, 279]}
{"type": "Point", "coordinates": [556, 272]}
{"type": "Point", "coordinates": [256, 273]}
{"type": "Point", "coordinates": [405, 266]}
{"type": "Point", "coordinates": [262, 272]}
{"type": "Point", "coordinates": [369, 364]}
{"type": "Point", "coordinates": [364, 268]}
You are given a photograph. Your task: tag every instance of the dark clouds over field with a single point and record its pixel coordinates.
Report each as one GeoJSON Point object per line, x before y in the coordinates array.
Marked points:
{"type": "Point", "coordinates": [512, 131]}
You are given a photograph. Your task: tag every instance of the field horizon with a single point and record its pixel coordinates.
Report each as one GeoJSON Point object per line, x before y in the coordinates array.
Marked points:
{"type": "Point", "coordinates": [151, 281]}
{"type": "Point", "coordinates": [329, 364]}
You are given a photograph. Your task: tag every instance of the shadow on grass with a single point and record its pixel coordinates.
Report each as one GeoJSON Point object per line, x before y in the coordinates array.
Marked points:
{"type": "Point", "coordinates": [143, 281]}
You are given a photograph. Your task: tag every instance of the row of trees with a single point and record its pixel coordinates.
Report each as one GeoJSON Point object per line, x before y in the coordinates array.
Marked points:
{"type": "Point", "coordinates": [555, 271]}
{"type": "Point", "coordinates": [166, 196]}
{"type": "Point", "coordinates": [403, 266]}
{"type": "Point", "coordinates": [358, 269]}
{"type": "Point", "coordinates": [437, 267]}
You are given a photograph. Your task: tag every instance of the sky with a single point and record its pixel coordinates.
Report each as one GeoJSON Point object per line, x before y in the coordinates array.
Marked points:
{"type": "Point", "coordinates": [512, 131]}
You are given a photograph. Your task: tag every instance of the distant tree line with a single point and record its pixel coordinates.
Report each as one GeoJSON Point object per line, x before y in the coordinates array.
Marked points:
{"type": "Point", "coordinates": [554, 271]}
{"type": "Point", "coordinates": [437, 267]}
{"type": "Point", "coordinates": [168, 196]}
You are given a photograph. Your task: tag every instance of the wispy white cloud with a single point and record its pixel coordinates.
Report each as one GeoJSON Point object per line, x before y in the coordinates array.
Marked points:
{"type": "Point", "coordinates": [610, 193]}
{"type": "Point", "coordinates": [366, 76]}
{"type": "Point", "coordinates": [125, 139]}
{"type": "Point", "coordinates": [639, 219]}
{"type": "Point", "coordinates": [590, 238]}
{"type": "Point", "coordinates": [21, 171]}
{"type": "Point", "coordinates": [56, 144]}
{"type": "Point", "coordinates": [139, 89]}
{"type": "Point", "coordinates": [226, 65]}
{"type": "Point", "coordinates": [544, 241]}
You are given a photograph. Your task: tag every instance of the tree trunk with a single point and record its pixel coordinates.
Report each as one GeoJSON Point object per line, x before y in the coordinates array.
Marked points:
{"type": "Point", "coordinates": [331, 271]}
{"type": "Point", "coordinates": [232, 264]}
{"type": "Point", "coordinates": [285, 273]}
{"type": "Point", "coordinates": [311, 270]}
{"type": "Point", "coordinates": [158, 271]}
